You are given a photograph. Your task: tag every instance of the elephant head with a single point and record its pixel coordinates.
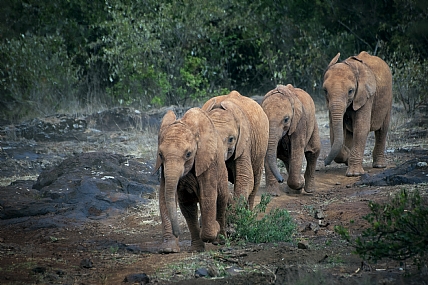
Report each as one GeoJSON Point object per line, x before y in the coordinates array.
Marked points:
{"type": "Point", "coordinates": [347, 83]}
{"type": "Point", "coordinates": [232, 126]}
{"type": "Point", "coordinates": [284, 111]}
{"type": "Point", "coordinates": [183, 145]}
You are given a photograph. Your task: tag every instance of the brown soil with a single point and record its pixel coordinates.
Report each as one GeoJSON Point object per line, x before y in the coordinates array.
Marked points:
{"type": "Point", "coordinates": [101, 252]}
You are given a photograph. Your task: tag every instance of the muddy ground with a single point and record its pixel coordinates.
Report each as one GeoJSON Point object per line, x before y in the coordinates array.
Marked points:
{"type": "Point", "coordinates": [79, 206]}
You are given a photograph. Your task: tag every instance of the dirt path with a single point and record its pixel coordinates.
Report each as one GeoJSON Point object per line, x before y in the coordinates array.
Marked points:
{"type": "Point", "coordinates": [124, 246]}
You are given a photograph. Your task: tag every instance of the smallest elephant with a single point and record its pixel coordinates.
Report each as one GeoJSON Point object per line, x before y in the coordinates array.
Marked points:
{"type": "Point", "coordinates": [293, 132]}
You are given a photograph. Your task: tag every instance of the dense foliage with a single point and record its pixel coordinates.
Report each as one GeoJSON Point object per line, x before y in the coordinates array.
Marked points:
{"type": "Point", "coordinates": [71, 54]}
{"type": "Point", "coordinates": [397, 229]}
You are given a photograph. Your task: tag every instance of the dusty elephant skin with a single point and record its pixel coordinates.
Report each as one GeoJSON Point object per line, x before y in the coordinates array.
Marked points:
{"type": "Point", "coordinates": [192, 169]}
{"type": "Point", "coordinates": [359, 98]}
{"type": "Point", "coordinates": [243, 128]}
{"type": "Point", "coordinates": [293, 133]}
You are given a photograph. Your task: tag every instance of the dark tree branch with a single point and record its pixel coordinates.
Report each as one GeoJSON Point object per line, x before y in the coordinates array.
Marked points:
{"type": "Point", "coordinates": [349, 29]}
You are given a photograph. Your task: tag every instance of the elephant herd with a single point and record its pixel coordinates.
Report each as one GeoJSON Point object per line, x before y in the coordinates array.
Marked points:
{"type": "Point", "coordinates": [233, 138]}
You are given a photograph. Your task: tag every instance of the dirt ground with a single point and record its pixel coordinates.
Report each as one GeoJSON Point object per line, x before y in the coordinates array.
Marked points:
{"type": "Point", "coordinates": [122, 249]}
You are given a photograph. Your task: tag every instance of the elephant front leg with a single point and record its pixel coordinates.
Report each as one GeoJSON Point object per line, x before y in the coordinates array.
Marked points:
{"type": "Point", "coordinates": [222, 200]}
{"type": "Point", "coordinates": [244, 179]}
{"type": "Point", "coordinates": [190, 213]}
{"type": "Point", "coordinates": [355, 161]}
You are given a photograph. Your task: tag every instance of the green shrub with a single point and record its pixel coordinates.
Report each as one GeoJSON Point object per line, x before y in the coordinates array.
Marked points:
{"type": "Point", "coordinates": [37, 75]}
{"type": "Point", "coordinates": [275, 226]}
{"type": "Point", "coordinates": [398, 229]}
{"type": "Point", "coordinates": [410, 83]}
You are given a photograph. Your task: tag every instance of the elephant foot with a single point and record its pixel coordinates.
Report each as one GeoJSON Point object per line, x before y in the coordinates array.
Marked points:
{"type": "Point", "coordinates": [355, 171]}
{"type": "Point", "coordinates": [309, 188]}
{"type": "Point", "coordinates": [197, 246]}
{"type": "Point", "coordinates": [221, 239]}
{"type": "Point", "coordinates": [273, 190]}
{"type": "Point", "coordinates": [379, 164]}
{"type": "Point", "coordinates": [292, 191]}
{"type": "Point", "coordinates": [169, 245]}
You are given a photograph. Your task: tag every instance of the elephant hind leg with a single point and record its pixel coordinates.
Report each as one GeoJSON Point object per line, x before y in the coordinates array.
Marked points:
{"type": "Point", "coordinates": [379, 160]}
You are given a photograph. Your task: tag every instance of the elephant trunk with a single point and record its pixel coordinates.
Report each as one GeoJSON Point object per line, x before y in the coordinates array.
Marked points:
{"type": "Point", "coordinates": [336, 136]}
{"type": "Point", "coordinates": [171, 184]}
{"type": "Point", "coordinates": [271, 155]}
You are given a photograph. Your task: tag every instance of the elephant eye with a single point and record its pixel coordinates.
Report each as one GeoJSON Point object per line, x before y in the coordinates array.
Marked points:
{"type": "Point", "coordinates": [188, 154]}
{"type": "Point", "coordinates": [325, 91]}
{"type": "Point", "coordinates": [286, 119]}
{"type": "Point", "coordinates": [230, 140]}
{"type": "Point", "coordinates": [160, 155]}
{"type": "Point", "coordinates": [350, 92]}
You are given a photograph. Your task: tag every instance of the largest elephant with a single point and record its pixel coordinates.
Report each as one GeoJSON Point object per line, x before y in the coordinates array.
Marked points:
{"type": "Point", "coordinates": [358, 92]}
{"type": "Point", "coordinates": [190, 155]}
{"type": "Point", "coordinates": [244, 129]}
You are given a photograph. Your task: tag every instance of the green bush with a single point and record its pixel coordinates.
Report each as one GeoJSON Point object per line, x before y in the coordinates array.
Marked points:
{"type": "Point", "coordinates": [275, 226]}
{"type": "Point", "coordinates": [398, 229]}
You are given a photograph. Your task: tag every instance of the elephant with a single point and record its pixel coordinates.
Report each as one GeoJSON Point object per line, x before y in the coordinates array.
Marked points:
{"type": "Point", "coordinates": [358, 92]}
{"type": "Point", "coordinates": [293, 133]}
{"type": "Point", "coordinates": [243, 128]}
{"type": "Point", "coordinates": [190, 156]}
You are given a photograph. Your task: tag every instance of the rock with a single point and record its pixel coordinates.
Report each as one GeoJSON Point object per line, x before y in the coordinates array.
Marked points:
{"type": "Point", "coordinates": [140, 278]}
{"type": "Point", "coordinates": [39, 270]}
{"type": "Point", "coordinates": [319, 214]}
{"type": "Point", "coordinates": [303, 244]}
{"type": "Point", "coordinates": [407, 173]}
{"type": "Point", "coordinates": [85, 186]}
{"type": "Point", "coordinates": [233, 270]}
{"type": "Point", "coordinates": [86, 263]}
{"type": "Point", "coordinates": [421, 164]}
{"type": "Point", "coordinates": [201, 272]}
{"type": "Point", "coordinates": [213, 270]}
{"type": "Point", "coordinates": [310, 227]}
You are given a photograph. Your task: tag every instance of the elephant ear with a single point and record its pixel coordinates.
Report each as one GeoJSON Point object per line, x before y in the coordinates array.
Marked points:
{"type": "Point", "coordinates": [366, 81]}
{"type": "Point", "coordinates": [297, 108]}
{"type": "Point", "coordinates": [167, 120]}
{"type": "Point", "coordinates": [334, 60]}
{"type": "Point", "coordinates": [243, 126]}
{"type": "Point", "coordinates": [209, 105]}
{"type": "Point", "coordinates": [201, 125]}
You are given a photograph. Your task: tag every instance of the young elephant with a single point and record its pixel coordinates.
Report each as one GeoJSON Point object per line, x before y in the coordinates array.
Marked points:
{"type": "Point", "coordinates": [293, 132]}
{"type": "Point", "coordinates": [190, 155]}
{"type": "Point", "coordinates": [243, 128]}
{"type": "Point", "coordinates": [359, 99]}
